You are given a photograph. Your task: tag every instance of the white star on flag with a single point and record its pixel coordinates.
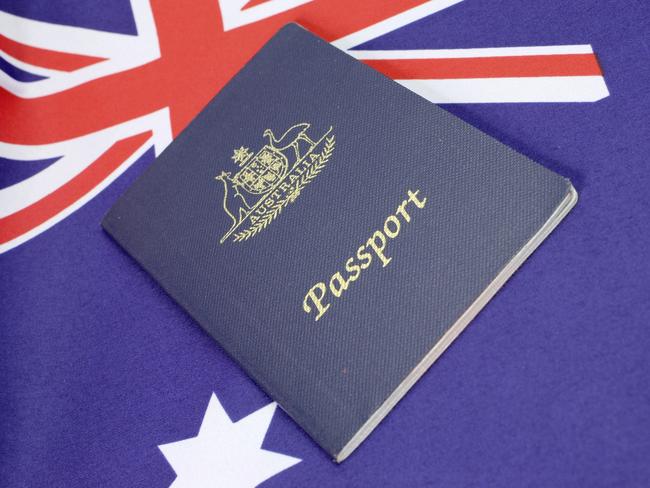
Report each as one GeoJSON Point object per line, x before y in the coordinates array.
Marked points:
{"type": "Point", "coordinates": [226, 453]}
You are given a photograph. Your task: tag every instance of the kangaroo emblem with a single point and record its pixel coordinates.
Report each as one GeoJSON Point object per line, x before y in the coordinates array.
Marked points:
{"type": "Point", "coordinates": [233, 199]}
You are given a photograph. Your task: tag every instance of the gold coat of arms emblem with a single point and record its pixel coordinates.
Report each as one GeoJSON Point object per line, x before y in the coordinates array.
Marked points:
{"type": "Point", "coordinates": [272, 178]}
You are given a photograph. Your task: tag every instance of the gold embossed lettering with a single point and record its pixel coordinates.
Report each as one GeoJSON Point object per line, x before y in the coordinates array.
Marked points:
{"type": "Point", "coordinates": [355, 269]}
{"type": "Point", "coordinates": [392, 219]}
{"type": "Point", "coordinates": [376, 245]}
{"type": "Point", "coordinates": [401, 210]}
{"type": "Point", "coordinates": [413, 197]}
{"type": "Point", "coordinates": [337, 279]}
{"type": "Point", "coordinates": [316, 299]}
{"type": "Point", "coordinates": [364, 256]}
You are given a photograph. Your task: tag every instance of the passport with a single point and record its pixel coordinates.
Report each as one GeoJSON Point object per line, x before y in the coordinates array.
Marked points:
{"type": "Point", "coordinates": [333, 231]}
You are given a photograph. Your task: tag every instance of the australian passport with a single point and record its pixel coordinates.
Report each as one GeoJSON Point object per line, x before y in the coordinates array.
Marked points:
{"type": "Point", "coordinates": [333, 231]}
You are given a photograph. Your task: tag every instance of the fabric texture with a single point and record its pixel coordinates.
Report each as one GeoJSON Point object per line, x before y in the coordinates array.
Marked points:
{"type": "Point", "coordinates": [547, 387]}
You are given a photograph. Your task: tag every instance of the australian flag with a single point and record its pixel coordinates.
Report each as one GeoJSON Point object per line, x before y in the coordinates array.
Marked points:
{"type": "Point", "coordinates": [105, 382]}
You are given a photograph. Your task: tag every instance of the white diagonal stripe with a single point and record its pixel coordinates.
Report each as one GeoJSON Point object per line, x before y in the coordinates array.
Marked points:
{"type": "Point", "coordinates": [511, 90]}
{"type": "Point", "coordinates": [488, 52]}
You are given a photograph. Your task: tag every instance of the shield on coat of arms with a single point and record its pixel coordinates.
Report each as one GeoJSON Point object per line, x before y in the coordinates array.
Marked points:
{"type": "Point", "coordinates": [263, 171]}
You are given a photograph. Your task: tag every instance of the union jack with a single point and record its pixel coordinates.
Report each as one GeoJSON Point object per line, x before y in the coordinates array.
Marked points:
{"type": "Point", "coordinates": [89, 103]}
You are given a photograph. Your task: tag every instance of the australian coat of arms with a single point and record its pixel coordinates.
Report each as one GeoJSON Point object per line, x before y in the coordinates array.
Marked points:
{"type": "Point", "coordinates": [271, 179]}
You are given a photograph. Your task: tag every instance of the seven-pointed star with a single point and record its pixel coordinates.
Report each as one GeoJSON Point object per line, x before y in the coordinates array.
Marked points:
{"type": "Point", "coordinates": [226, 453]}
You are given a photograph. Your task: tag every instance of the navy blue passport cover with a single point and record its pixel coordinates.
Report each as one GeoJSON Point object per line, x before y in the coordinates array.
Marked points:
{"type": "Point", "coordinates": [333, 231]}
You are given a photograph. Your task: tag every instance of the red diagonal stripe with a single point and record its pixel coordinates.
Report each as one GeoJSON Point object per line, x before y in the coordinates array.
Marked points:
{"type": "Point", "coordinates": [45, 58]}
{"type": "Point", "coordinates": [195, 64]}
{"type": "Point", "coordinates": [254, 3]}
{"type": "Point", "coordinates": [489, 67]}
{"type": "Point", "coordinates": [24, 220]}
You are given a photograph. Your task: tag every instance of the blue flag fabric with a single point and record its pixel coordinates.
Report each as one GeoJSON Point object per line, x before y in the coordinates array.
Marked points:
{"type": "Point", "coordinates": [104, 381]}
